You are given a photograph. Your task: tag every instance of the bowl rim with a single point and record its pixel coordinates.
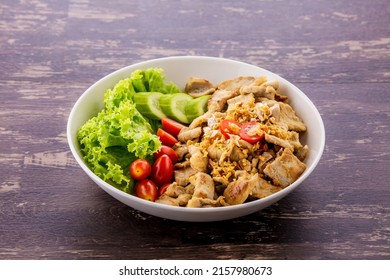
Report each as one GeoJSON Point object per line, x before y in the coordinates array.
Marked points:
{"type": "Point", "coordinates": [279, 195]}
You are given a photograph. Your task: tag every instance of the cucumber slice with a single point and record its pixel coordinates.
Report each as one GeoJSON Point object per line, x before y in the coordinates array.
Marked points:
{"type": "Point", "coordinates": [196, 107]}
{"type": "Point", "coordinates": [147, 103]}
{"type": "Point", "coordinates": [173, 105]}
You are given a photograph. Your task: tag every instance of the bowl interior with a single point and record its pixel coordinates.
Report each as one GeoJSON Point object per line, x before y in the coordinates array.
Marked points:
{"type": "Point", "coordinates": [177, 70]}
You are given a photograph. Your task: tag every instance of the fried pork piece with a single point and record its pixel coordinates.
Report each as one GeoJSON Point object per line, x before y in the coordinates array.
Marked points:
{"type": "Point", "coordinates": [174, 190]}
{"type": "Point", "coordinates": [221, 180]}
{"type": "Point", "coordinates": [187, 133]}
{"type": "Point", "coordinates": [198, 194]}
{"type": "Point", "coordinates": [176, 195]}
{"type": "Point", "coordinates": [199, 121]}
{"type": "Point", "coordinates": [198, 161]}
{"type": "Point", "coordinates": [242, 98]}
{"type": "Point", "coordinates": [197, 87]}
{"type": "Point", "coordinates": [238, 191]}
{"type": "Point", "coordinates": [203, 191]}
{"type": "Point", "coordinates": [285, 169]}
{"type": "Point", "coordinates": [264, 189]}
{"type": "Point", "coordinates": [227, 90]}
{"type": "Point", "coordinates": [285, 116]}
{"type": "Point", "coordinates": [289, 117]}
{"type": "Point", "coordinates": [236, 83]}
{"type": "Point", "coordinates": [203, 185]}
{"type": "Point", "coordinates": [264, 158]}
{"type": "Point", "coordinates": [182, 172]}
{"type": "Point", "coordinates": [293, 139]}
{"type": "Point", "coordinates": [198, 202]}
{"type": "Point", "coordinates": [219, 99]}
{"type": "Point", "coordinates": [275, 111]}
{"type": "Point", "coordinates": [278, 141]}
{"type": "Point", "coordinates": [262, 91]}
{"type": "Point", "coordinates": [302, 152]}
{"type": "Point", "coordinates": [181, 150]}
{"type": "Point", "coordinates": [231, 149]}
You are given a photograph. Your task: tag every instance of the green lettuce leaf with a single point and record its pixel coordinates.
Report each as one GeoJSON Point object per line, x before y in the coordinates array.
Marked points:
{"type": "Point", "coordinates": [152, 80]}
{"type": "Point", "coordinates": [115, 138]}
{"type": "Point", "coordinates": [119, 134]}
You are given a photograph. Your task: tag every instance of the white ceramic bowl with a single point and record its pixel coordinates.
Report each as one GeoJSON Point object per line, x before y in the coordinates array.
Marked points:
{"type": "Point", "coordinates": [178, 69]}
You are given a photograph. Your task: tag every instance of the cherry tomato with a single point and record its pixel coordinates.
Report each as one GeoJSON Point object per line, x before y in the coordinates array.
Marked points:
{"type": "Point", "coordinates": [162, 171]}
{"type": "Point", "coordinates": [251, 132]}
{"type": "Point", "coordinates": [146, 189]}
{"type": "Point", "coordinates": [171, 126]}
{"type": "Point", "coordinates": [163, 189]}
{"type": "Point", "coordinates": [229, 127]}
{"type": "Point", "coordinates": [166, 138]}
{"type": "Point", "coordinates": [140, 169]}
{"type": "Point", "coordinates": [165, 150]}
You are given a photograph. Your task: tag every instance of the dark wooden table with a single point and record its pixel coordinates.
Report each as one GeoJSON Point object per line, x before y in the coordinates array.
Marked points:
{"type": "Point", "coordinates": [336, 51]}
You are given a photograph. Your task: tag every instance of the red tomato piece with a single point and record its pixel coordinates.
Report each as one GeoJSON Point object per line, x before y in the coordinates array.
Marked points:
{"type": "Point", "coordinates": [163, 189]}
{"type": "Point", "coordinates": [171, 126]}
{"type": "Point", "coordinates": [165, 150]}
{"type": "Point", "coordinates": [162, 171]}
{"type": "Point", "coordinates": [166, 138]}
{"type": "Point", "coordinates": [140, 169]}
{"type": "Point", "coordinates": [146, 189]}
{"type": "Point", "coordinates": [251, 132]}
{"type": "Point", "coordinates": [229, 127]}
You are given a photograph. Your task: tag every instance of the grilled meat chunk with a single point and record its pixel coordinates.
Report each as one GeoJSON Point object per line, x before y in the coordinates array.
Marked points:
{"type": "Point", "coordinates": [203, 185]}
{"type": "Point", "coordinates": [182, 175]}
{"type": "Point", "coordinates": [286, 117]}
{"type": "Point", "coordinates": [285, 169]}
{"type": "Point", "coordinates": [181, 150]}
{"type": "Point", "coordinates": [263, 189]}
{"type": "Point", "coordinates": [199, 121]}
{"type": "Point", "coordinates": [197, 87]}
{"type": "Point", "coordinates": [198, 160]}
{"type": "Point", "coordinates": [187, 133]}
{"type": "Point", "coordinates": [198, 202]}
{"type": "Point", "coordinates": [219, 99]}
{"type": "Point", "coordinates": [242, 98]}
{"type": "Point", "coordinates": [238, 191]}
{"type": "Point", "coordinates": [236, 83]}
{"type": "Point", "coordinates": [278, 141]}
{"type": "Point", "coordinates": [203, 190]}
{"type": "Point", "coordinates": [176, 195]}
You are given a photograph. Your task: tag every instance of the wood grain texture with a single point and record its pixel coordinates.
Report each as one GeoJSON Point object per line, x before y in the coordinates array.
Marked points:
{"type": "Point", "coordinates": [337, 52]}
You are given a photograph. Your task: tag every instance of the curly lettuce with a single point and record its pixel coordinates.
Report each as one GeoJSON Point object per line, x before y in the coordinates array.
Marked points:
{"type": "Point", "coordinates": [119, 134]}
{"type": "Point", "coordinates": [151, 80]}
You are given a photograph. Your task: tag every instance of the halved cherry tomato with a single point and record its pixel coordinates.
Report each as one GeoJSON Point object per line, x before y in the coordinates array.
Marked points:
{"type": "Point", "coordinates": [166, 138]}
{"type": "Point", "coordinates": [163, 189]}
{"type": "Point", "coordinates": [251, 132]}
{"type": "Point", "coordinates": [140, 169]}
{"type": "Point", "coordinates": [171, 126]}
{"type": "Point", "coordinates": [162, 171]}
{"type": "Point", "coordinates": [146, 189]}
{"type": "Point", "coordinates": [229, 127]}
{"type": "Point", "coordinates": [165, 150]}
